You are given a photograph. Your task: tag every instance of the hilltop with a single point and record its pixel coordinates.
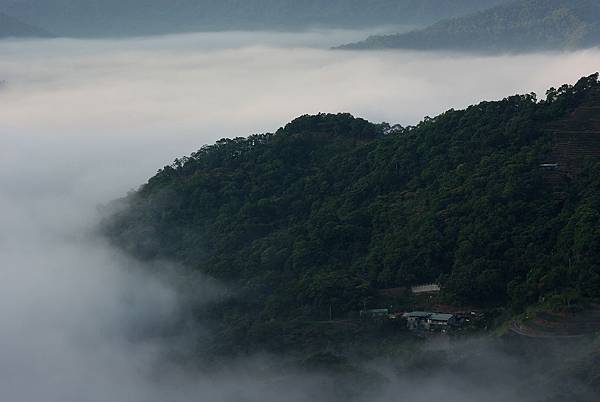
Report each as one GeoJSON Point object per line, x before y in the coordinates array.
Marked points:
{"type": "Point", "coordinates": [524, 25]}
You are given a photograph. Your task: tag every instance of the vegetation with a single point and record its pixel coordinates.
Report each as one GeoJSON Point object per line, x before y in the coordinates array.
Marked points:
{"type": "Point", "coordinates": [309, 222]}
{"type": "Point", "coordinates": [518, 26]}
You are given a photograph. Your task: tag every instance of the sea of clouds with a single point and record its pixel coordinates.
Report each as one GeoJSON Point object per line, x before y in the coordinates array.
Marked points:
{"type": "Point", "coordinates": [83, 122]}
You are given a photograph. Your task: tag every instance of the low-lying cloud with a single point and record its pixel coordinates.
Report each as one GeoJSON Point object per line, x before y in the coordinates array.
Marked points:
{"type": "Point", "coordinates": [82, 122]}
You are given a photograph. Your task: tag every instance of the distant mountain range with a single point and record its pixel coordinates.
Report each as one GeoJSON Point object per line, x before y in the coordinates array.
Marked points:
{"type": "Point", "coordinates": [93, 18]}
{"type": "Point", "coordinates": [517, 26]}
{"type": "Point", "coordinates": [11, 27]}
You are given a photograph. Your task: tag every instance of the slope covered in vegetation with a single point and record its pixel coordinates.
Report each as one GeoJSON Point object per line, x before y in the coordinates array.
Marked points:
{"type": "Point", "coordinates": [518, 26]}
{"type": "Point", "coordinates": [314, 219]}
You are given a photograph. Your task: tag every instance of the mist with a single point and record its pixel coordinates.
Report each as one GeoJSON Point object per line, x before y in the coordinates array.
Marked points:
{"type": "Point", "coordinates": [83, 122]}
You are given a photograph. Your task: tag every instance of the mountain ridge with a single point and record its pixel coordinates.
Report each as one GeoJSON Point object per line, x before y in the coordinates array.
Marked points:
{"type": "Point", "coordinates": [91, 18]}
{"type": "Point", "coordinates": [522, 25]}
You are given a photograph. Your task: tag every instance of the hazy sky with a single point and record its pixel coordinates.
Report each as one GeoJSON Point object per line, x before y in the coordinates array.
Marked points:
{"type": "Point", "coordinates": [82, 122]}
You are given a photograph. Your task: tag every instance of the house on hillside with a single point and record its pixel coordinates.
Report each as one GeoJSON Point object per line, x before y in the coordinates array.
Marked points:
{"type": "Point", "coordinates": [416, 320]}
{"type": "Point", "coordinates": [550, 166]}
{"type": "Point", "coordinates": [441, 322]}
{"type": "Point", "coordinates": [428, 321]}
{"type": "Point", "coordinates": [425, 289]}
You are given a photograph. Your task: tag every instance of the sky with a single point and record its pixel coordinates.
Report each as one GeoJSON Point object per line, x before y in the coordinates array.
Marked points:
{"type": "Point", "coordinates": [83, 122]}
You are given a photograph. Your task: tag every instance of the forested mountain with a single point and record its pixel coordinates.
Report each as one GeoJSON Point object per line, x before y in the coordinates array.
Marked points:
{"type": "Point", "coordinates": [134, 17]}
{"type": "Point", "coordinates": [518, 26]}
{"type": "Point", "coordinates": [11, 27]}
{"type": "Point", "coordinates": [330, 209]}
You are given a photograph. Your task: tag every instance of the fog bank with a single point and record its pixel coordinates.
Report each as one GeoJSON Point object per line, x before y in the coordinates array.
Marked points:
{"type": "Point", "coordinates": [167, 96]}
{"type": "Point", "coordinates": [83, 122]}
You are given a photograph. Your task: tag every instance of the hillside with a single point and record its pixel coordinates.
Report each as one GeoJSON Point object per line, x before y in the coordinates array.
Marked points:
{"type": "Point", "coordinates": [522, 25]}
{"type": "Point", "coordinates": [11, 27]}
{"type": "Point", "coordinates": [318, 217]}
{"type": "Point", "coordinates": [139, 17]}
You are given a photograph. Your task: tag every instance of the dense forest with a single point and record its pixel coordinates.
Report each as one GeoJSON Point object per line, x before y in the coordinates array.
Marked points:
{"type": "Point", "coordinates": [518, 26]}
{"type": "Point", "coordinates": [137, 17]}
{"type": "Point", "coordinates": [11, 27]}
{"type": "Point", "coordinates": [315, 218]}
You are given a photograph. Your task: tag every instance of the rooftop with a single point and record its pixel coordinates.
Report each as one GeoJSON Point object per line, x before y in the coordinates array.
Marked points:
{"type": "Point", "coordinates": [441, 317]}
{"type": "Point", "coordinates": [430, 288]}
{"type": "Point", "coordinates": [430, 315]}
{"type": "Point", "coordinates": [417, 314]}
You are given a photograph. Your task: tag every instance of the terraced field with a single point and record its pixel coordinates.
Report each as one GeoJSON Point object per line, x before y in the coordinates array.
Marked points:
{"type": "Point", "coordinates": [560, 324]}
{"type": "Point", "coordinates": [576, 139]}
